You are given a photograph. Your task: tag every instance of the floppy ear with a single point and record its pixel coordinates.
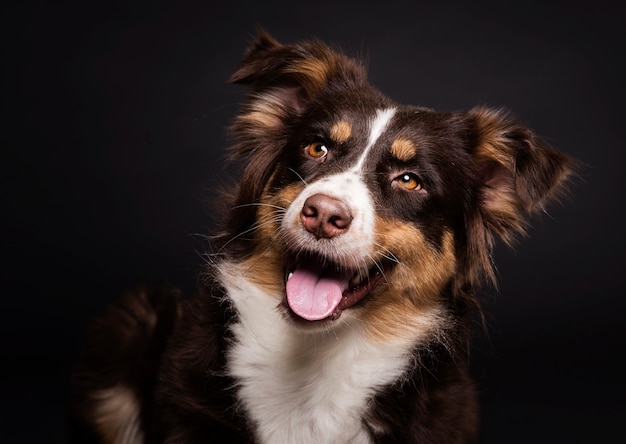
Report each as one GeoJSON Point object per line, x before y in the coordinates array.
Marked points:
{"type": "Point", "coordinates": [291, 76]}
{"type": "Point", "coordinates": [518, 174]}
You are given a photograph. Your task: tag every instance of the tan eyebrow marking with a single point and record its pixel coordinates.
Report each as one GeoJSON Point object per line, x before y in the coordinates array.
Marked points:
{"type": "Point", "coordinates": [341, 131]}
{"type": "Point", "coordinates": [403, 149]}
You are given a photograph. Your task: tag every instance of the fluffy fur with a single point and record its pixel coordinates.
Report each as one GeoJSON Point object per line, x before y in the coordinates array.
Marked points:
{"type": "Point", "coordinates": [351, 257]}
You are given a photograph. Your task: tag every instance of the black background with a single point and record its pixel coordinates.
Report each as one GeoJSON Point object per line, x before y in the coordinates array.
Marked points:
{"type": "Point", "coordinates": [112, 131]}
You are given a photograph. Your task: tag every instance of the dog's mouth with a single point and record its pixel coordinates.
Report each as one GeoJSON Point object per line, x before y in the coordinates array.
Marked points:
{"type": "Point", "coordinates": [317, 289]}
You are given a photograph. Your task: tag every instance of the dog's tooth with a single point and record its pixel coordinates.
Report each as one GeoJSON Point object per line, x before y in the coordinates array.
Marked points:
{"type": "Point", "coordinates": [289, 276]}
{"type": "Point", "coordinates": [356, 279]}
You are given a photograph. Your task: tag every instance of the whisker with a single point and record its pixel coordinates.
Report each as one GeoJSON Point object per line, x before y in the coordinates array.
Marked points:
{"type": "Point", "coordinates": [273, 218]}
{"type": "Point", "coordinates": [388, 254]}
{"type": "Point", "coordinates": [299, 176]}
{"type": "Point", "coordinates": [259, 204]}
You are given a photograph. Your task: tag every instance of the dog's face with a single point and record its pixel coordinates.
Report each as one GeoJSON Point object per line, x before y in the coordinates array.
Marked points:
{"type": "Point", "coordinates": [361, 215]}
{"type": "Point", "coordinates": [365, 209]}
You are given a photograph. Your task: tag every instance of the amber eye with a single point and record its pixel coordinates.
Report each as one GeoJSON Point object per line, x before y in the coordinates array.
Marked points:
{"type": "Point", "coordinates": [408, 181]}
{"type": "Point", "coordinates": [317, 150]}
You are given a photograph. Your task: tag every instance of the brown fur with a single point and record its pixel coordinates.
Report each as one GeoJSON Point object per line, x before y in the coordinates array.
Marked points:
{"type": "Point", "coordinates": [403, 148]}
{"type": "Point", "coordinates": [156, 366]}
{"type": "Point", "coordinates": [341, 131]}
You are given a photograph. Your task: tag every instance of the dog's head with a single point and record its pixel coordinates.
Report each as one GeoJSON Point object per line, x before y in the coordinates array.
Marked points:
{"type": "Point", "coordinates": [350, 201]}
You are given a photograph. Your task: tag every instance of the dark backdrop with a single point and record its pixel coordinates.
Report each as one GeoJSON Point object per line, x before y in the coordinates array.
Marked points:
{"type": "Point", "coordinates": [113, 117]}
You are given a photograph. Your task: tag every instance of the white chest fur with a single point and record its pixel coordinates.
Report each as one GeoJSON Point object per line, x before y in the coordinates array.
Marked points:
{"type": "Point", "coordinates": [304, 388]}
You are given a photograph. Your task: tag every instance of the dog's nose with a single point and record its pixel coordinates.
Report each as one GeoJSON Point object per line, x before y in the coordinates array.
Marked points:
{"type": "Point", "coordinates": [325, 216]}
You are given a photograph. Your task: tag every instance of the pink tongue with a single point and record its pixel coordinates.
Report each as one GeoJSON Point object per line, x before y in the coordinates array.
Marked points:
{"type": "Point", "coordinates": [313, 292]}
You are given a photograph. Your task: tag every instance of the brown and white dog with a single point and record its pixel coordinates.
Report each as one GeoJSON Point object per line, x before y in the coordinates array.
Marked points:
{"type": "Point", "coordinates": [336, 307]}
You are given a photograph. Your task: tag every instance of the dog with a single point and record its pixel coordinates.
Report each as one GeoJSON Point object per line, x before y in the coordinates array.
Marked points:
{"type": "Point", "coordinates": [337, 303]}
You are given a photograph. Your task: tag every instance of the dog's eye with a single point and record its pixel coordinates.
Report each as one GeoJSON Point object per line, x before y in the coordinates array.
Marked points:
{"type": "Point", "coordinates": [317, 150]}
{"type": "Point", "coordinates": [408, 181]}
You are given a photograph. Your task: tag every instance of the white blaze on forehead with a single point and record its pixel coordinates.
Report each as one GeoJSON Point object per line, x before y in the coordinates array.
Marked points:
{"type": "Point", "coordinates": [377, 128]}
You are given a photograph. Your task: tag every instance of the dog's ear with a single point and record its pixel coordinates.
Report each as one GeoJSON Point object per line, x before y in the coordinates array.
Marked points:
{"type": "Point", "coordinates": [285, 79]}
{"type": "Point", "coordinates": [518, 174]}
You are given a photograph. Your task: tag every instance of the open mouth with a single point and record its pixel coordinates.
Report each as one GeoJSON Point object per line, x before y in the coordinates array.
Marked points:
{"type": "Point", "coordinates": [318, 290]}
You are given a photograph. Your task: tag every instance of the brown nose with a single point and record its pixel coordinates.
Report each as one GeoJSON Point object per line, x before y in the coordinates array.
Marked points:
{"type": "Point", "coordinates": [324, 216]}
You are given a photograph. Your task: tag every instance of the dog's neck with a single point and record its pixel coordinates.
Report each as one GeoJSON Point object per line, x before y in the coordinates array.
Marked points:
{"type": "Point", "coordinates": [299, 386]}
